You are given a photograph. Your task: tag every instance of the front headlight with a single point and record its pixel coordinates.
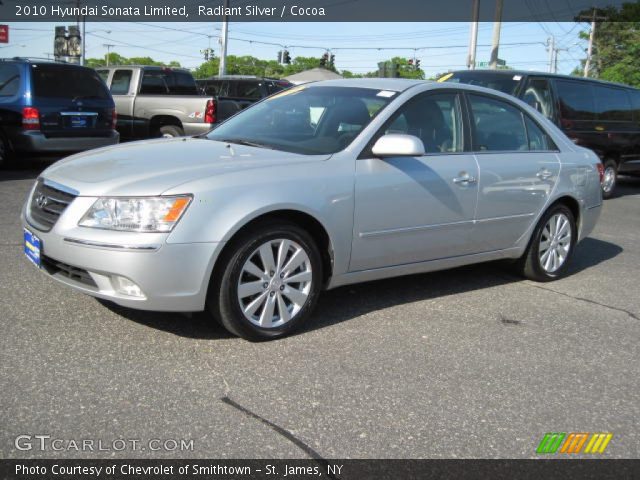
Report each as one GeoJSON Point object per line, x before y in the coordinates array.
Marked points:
{"type": "Point", "coordinates": [136, 214]}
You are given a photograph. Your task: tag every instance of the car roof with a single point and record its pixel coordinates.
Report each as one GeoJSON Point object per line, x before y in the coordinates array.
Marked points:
{"type": "Point", "coordinates": [393, 84]}
{"type": "Point", "coordinates": [538, 73]}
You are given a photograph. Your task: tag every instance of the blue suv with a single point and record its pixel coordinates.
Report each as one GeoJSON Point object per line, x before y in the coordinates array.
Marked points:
{"type": "Point", "coordinates": [52, 108]}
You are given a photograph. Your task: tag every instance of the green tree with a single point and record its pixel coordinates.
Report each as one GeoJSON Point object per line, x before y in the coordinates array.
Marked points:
{"type": "Point", "coordinates": [116, 59]}
{"type": "Point", "coordinates": [616, 45]}
{"type": "Point", "coordinates": [401, 68]}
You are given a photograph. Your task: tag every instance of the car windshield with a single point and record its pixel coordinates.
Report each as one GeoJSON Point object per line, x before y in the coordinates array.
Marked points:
{"type": "Point", "coordinates": [497, 81]}
{"type": "Point", "coordinates": [307, 120]}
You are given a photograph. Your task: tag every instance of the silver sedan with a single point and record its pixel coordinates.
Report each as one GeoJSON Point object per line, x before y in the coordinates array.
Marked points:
{"type": "Point", "coordinates": [316, 187]}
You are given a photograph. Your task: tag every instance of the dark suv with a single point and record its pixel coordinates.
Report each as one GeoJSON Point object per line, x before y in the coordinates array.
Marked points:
{"type": "Point", "coordinates": [52, 108]}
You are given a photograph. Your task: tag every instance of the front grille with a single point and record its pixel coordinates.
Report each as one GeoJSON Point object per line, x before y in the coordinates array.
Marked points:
{"type": "Point", "coordinates": [76, 274]}
{"type": "Point", "coordinates": [47, 204]}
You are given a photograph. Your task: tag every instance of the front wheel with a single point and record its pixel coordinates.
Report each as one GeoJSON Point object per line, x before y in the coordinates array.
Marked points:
{"type": "Point", "coordinates": [610, 178]}
{"type": "Point", "coordinates": [551, 246]}
{"type": "Point", "coordinates": [269, 284]}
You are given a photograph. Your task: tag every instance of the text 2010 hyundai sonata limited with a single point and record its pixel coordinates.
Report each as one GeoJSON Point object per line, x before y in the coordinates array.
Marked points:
{"type": "Point", "coordinates": [319, 186]}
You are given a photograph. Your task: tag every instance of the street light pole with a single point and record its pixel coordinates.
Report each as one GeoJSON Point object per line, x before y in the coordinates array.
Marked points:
{"type": "Point", "coordinates": [222, 69]}
{"type": "Point", "coordinates": [592, 34]}
{"type": "Point", "coordinates": [108, 45]}
{"type": "Point", "coordinates": [497, 25]}
{"type": "Point", "coordinates": [473, 41]}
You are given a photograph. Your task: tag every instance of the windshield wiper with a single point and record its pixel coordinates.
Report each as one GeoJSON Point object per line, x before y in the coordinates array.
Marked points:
{"type": "Point", "coordinates": [248, 143]}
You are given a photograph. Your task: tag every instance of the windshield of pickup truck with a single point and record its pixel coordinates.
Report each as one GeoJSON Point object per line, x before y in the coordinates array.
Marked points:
{"type": "Point", "coordinates": [498, 81]}
{"type": "Point", "coordinates": [306, 120]}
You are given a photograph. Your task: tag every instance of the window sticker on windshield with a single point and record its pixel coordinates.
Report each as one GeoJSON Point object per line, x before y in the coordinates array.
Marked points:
{"type": "Point", "coordinates": [517, 77]}
{"type": "Point", "coordinates": [385, 93]}
{"type": "Point", "coordinates": [284, 93]}
{"type": "Point", "coordinates": [445, 78]}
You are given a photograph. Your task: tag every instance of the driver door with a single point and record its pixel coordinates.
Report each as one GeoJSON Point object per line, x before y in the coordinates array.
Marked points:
{"type": "Point", "coordinates": [415, 209]}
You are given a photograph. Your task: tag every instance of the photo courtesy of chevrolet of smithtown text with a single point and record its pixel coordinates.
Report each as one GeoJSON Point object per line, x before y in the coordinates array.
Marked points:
{"type": "Point", "coordinates": [340, 239]}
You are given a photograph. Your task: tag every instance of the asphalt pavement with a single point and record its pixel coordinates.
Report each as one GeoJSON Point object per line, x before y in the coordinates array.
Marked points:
{"type": "Point", "coordinates": [473, 362]}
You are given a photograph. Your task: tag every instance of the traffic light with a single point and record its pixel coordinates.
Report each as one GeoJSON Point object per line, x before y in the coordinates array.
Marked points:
{"type": "Point", "coordinates": [286, 58]}
{"type": "Point", "coordinates": [417, 64]}
{"type": "Point", "coordinates": [332, 60]}
{"type": "Point", "coordinates": [324, 60]}
{"type": "Point", "coordinates": [280, 56]}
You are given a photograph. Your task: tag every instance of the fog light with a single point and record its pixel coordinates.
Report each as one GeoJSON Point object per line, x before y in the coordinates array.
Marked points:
{"type": "Point", "coordinates": [125, 286]}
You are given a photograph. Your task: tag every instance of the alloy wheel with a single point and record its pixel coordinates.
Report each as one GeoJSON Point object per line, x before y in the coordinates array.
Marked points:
{"type": "Point", "coordinates": [275, 283]}
{"type": "Point", "coordinates": [555, 242]}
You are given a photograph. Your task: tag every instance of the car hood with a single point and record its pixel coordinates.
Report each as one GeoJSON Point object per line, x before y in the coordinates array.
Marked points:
{"type": "Point", "coordinates": [152, 167]}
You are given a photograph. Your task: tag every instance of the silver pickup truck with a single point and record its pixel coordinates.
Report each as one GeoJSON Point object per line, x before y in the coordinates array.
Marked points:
{"type": "Point", "coordinates": [157, 102]}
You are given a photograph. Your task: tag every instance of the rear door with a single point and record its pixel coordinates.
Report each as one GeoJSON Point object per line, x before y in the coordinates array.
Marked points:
{"type": "Point", "coordinates": [72, 101]}
{"type": "Point", "coordinates": [518, 171]}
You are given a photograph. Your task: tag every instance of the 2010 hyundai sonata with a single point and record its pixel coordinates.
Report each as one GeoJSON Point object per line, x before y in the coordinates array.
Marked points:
{"type": "Point", "coordinates": [319, 186]}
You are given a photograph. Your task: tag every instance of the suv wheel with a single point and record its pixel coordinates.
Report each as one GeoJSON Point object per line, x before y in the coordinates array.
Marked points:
{"type": "Point", "coordinates": [269, 284]}
{"type": "Point", "coordinates": [170, 131]}
{"type": "Point", "coordinates": [610, 178]}
{"type": "Point", "coordinates": [551, 246]}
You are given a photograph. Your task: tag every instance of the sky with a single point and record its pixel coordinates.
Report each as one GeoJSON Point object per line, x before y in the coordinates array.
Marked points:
{"type": "Point", "coordinates": [357, 47]}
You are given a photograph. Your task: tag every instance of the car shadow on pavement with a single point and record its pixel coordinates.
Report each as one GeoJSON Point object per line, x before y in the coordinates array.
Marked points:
{"type": "Point", "coordinates": [627, 185]}
{"type": "Point", "coordinates": [345, 303]}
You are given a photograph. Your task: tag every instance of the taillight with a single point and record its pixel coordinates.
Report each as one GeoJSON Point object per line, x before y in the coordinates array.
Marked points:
{"type": "Point", "coordinates": [210, 112]}
{"type": "Point", "coordinates": [30, 118]}
{"type": "Point", "coordinates": [114, 119]}
{"type": "Point", "coordinates": [600, 168]}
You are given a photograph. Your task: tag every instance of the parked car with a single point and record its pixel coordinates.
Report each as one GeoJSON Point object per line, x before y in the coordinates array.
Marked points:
{"type": "Point", "coordinates": [602, 116]}
{"type": "Point", "coordinates": [52, 108]}
{"type": "Point", "coordinates": [233, 93]}
{"type": "Point", "coordinates": [158, 102]}
{"type": "Point", "coordinates": [253, 220]}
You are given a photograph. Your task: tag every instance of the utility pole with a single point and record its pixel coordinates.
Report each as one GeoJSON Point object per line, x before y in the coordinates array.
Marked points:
{"type": "Point", "coordinates": [473, 41]}
{"type": "Point", "coordinates": [222, 70]}
{"type": "Point", "coordinates": [497, 24]}
{"type": "Point", "coordinates": [551, 46]}
{"type": "Point", "coordinates": [108, 45]}
{"type": "Point", "coordinates": [82, 40]}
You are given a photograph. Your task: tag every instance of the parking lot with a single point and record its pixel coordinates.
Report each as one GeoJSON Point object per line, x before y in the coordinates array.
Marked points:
{"type": "Point", "coordinates": [473, 362]}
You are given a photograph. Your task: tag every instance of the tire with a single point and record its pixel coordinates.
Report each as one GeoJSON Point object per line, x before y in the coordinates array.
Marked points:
{"type": "Point", "coordinates": [170, 131]}
{"type": "Point", "coordinates": [610, 178]}
{"type": "Point", "coordinates": [245, 312]}
{"type": "Point", "coordinates": [537, 266]}
{"type": "Point", "coordinates": [6, 155]}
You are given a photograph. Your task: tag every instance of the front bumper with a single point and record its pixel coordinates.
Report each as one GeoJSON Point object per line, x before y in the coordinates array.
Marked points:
{"type": "Point", "coordinates": [37, 142]}
{"type": "Point", "coordinates": [171, 276]}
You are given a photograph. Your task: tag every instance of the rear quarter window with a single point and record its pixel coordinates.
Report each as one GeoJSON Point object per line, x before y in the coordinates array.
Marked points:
{"type": "Point", "coordinates": [58, 81]}
{"type": "Point", "coordinates": [167, 82]}
{"type": "Point", "coordinates": [9, 80]}
{"type": "Point", "coordinates": [612, 104]}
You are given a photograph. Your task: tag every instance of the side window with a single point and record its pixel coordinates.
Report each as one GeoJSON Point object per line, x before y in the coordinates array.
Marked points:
{"type": "Point", "coordinates": [120, 82]}
{"type": "Point", "coordinates": [153, 83]}
{"type": "Point", "coordinates": [433, 118]}
{"type": "Point", "coordinates": [612, 104]}
{"type": "Point", "coordinates": [181, 83]}
{"type": "Point", "coordinates": [103, 74]}
{"type": "Point", "coordinates": [9, 80]}
{"type": "Point", "coordinates": [499, 126]}
{"type": "Point", "coordinates": [538, 140]}
{"type": "Point", "coordinates": [248, 90]}
{"type": "Point", "coordinates": [538, 95]}
{"type": "Point", "coordinates": [576, 100]}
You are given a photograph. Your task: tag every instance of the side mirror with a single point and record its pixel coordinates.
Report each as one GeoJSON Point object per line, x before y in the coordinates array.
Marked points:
{"type": "Point", "coordinates": [398, 145]}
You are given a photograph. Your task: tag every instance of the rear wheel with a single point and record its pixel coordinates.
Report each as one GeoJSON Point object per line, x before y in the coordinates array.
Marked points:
{"type": "Point", "coordinates": [269, 283]}
{"type": "Point", "coordinates": [551, 246]}
{"type": "Point", "coordinates": [170, 131]}
{"type": "Point", "coordinates": [610, 178]}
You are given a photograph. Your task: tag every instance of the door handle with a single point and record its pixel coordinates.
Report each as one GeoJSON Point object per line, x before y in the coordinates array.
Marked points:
{"type": "Point", "coordinates": [464, 179]}
{"type": "Point", "coordinates": [544, 174]}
